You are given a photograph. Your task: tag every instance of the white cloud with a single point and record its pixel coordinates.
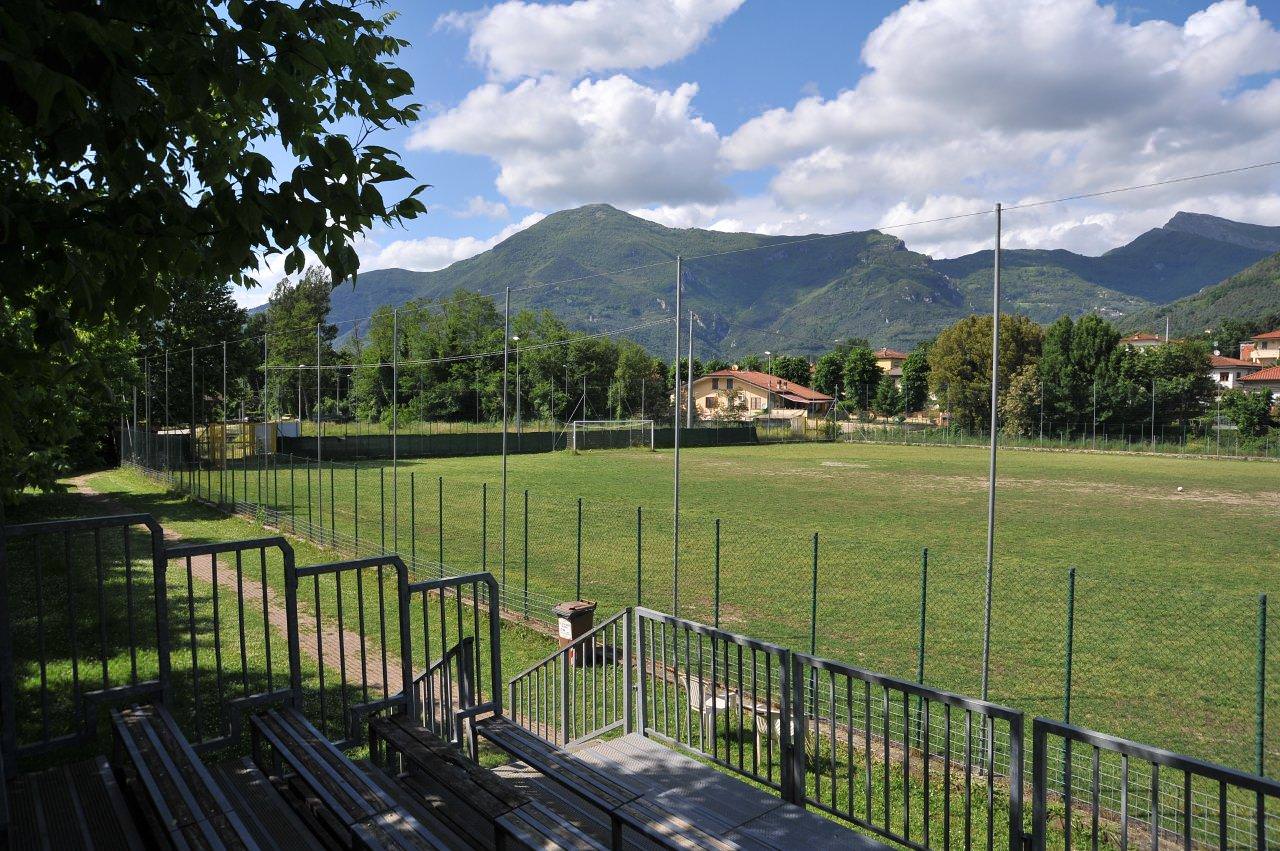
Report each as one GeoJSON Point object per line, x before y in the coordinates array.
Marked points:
{"type": "Point", "coordinates": [480, 207]}
{"type": "Point", "coordinates": [969, 101]}
{"type": "Point", "coordinates": [516, 39]}
{"type": "Point", "coordinates": [433, 252]}
{"type": "Point", "coordinates": [609, 140]}
{"type": "Point", "coordinates": [418, 255]}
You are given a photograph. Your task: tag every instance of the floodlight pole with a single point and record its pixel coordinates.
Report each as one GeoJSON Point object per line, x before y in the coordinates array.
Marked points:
{"type": "Point", "coordinates": [319, 465]}
{"type": "Point", "coordinates": [222, 451]}
{"type": "Point", "coordinates": [688, 385]}
{"type": "Point", "coordinates": [194, 450]}
{"type": "Point", "coordinates": [395, 428]}
{"type": "Point", "coordinates": [675, 437]}
{"type": "Point", "coordinates": [506, 346]}
{"type": "Point", "coordinates": [166, 410]}
{"type": "Point", "coordinates": [991, 479]}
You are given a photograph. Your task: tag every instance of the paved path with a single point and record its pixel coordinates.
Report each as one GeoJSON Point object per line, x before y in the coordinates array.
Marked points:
{"type": "Point", "coordinates": [202, 570]}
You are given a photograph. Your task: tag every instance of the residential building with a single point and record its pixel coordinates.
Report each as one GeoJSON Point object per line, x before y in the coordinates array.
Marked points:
{"type": "Point", "coordinates": [890, 362]}
{"type": "Point", "coordinates": [1263, 379]}
{"type": "Point", "coordinates": [744, 393]}
{"type": "Point", "coordinates": [1142, 340]}
{"type": "Point", "coordinates": [1264, 349]}
{"type": "Point", "coordinates": [1227, 372]}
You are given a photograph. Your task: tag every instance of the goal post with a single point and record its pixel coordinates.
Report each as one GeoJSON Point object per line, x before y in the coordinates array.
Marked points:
{"type": "Point", "coordinates": [611, 434]}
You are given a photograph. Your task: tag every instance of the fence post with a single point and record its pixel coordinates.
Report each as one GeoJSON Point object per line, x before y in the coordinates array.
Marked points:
{"type": "Point", "coordinates": [577, 585]}
{"type": "Point", "coordinates": [310, 520]}
{"type": "Point", "coordinates": [715, 597]}
{"type": "Point", "coordinates": [1262, 684]}
{"type": "Point", "coordinates": [639, 559]}
{"type": "Point", "coordinates": [484, 527]}
{"type": "Point", "coordinates": [382, 508]}
{"type": "Point", "coordinates": [1071, 627]}
{"type": "Point", "coordinates": [526, 554]}
{"type": "Point", "coordinates": [924, 607]}
{"type": "Point", "coordinates": [793, 748]}
{"type": "Point", "coordinates": [413, 520]}
{"type": "Point", "coordinates": [440, 519]}
{"type": "Point", "coordinates": [813, 602]}
{"type": "Point", "coordinates": [333, 526]}
{"type": "Point", "coordinates": [355, 504]}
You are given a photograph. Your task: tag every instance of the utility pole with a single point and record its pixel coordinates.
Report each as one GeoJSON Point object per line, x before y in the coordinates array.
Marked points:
{"type": "Point", "coordinates": [506, 345]}
{"type": "Point", "coordinates": [991, 481]}
{"type": "Point", "coordinates": [1095, 413]}
{"type": "Point", "coordinates": [319, 427]}
{"type": "Point", "coordinates": [675, 437]}
{"type": "Point", "coordinates": [395, 428]}
{"type": "Point", "coordinates": [1153, 413]}
{"type": "Point", "coordinates": [519, 418]}
{"type": "Point", "coordinates": [688, 385]}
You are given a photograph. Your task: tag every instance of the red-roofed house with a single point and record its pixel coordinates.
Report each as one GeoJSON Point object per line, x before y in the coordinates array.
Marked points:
{"type": "Point", "coordinates": [1266, 349]}
{"type": "Point", "coordinates": [1263, 379]}
{"type": "Point", "coordinates": [748, 393]}
{"type": "Point", "coordinates": [1142, 340]}
{"type": "Point", "coordinates": [890, 362]}
{"type": "Point", "coordinates": [1227, 372]}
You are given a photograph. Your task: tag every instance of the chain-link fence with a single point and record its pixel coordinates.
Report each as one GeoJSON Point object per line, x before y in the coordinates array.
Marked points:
{"type": "Point", "coordinates": [1184, 666]}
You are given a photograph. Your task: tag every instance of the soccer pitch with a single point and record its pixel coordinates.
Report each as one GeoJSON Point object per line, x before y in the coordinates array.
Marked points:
{"type": "Point", "coordinates": [1166, 630]}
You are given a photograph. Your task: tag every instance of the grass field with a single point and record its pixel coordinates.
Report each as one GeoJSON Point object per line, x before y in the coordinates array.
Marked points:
{"type": "Point", "coordinates": [1166, 604]}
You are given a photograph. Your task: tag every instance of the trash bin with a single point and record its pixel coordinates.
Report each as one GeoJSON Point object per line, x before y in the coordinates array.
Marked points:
{"type": "Point", "coordinates": [575, 619]}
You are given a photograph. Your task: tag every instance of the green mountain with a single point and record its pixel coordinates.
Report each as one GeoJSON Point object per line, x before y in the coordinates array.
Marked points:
{"type": "Point", "coordinates": [1253, 293]}
{"type": "Point", "coordinates": [801, 293]}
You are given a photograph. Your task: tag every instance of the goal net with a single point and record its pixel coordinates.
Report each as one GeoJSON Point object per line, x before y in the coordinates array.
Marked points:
{"type": "Point", "coordinates": [611, 434]}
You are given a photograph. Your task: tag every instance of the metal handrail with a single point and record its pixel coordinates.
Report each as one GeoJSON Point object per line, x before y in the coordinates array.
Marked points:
{"type": "Point", "coordinates": [1226, 780]}
{"type": "Point", "coordinates": [578, 684]}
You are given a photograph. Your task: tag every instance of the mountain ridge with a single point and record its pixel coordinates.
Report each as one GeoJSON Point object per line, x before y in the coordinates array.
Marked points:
{"type": "Point", "coordinates": [600, 268]}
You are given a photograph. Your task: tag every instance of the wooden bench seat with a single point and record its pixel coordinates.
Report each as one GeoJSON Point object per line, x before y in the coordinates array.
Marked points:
{"type": "Point", "coordinates": [488, 810]}
{"type": "Point", "coordinates": [624, 805]}
{"type": "Point", "coordinates": [75, 806]}
{"type": "Point", "coordinates": [177, 795]}
{"type": "Point", "coordinates": [265, 812]}
{"type": "Point", "coordinates": [345, 801]}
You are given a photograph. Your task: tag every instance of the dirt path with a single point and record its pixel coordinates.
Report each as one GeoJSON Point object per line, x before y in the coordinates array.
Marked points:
{"type": "Point", "coordinates": [334, 649]}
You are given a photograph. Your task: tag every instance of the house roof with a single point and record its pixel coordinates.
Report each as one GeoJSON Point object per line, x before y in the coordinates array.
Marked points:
{"type": "Point", "coordinates": [765, 381]}
{"type": "Point", "coordinates": [1271, 373]}
{"type": "Point", "coordinates": [1143, 337]}
{"type": "Point", "coordinates": [893, 354]}
{"type": "Point", "coordinates": [1220, 361]}
{"type": "Point", "coordinates": [1270, 335]}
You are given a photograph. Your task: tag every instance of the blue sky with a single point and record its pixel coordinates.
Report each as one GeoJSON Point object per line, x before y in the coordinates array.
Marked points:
{"type": "Point", "coordinates": [801, 117]}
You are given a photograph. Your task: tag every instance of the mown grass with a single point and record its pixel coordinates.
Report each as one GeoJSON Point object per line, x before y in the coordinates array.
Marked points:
{"type": "Point", "coordinates": [1166, 601]}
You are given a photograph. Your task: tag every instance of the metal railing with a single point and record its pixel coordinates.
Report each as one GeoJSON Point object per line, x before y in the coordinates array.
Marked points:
{"type": "Point", "coordinates": [461, 616]}
{"type": "Point", "coordinates": [228, 631]}
{"type": "Point", "coordinates": [722, 695]}
{"type": "Point", "coordinates": [1135, 794]}
{"type": "Point", "coordinates": [581, 691]}
{"type": "Point", "coordinates": [906, 761]}
{"type": "Point", "coordinates": [382, 682]}
{"type": "Point", "coordinates": [73, 594]}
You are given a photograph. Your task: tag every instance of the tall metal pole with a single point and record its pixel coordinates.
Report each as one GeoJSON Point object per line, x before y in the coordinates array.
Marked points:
{"type": "Point", "coordinates": [223, 449]}
{"type": "Point", "coordinates": [146, 405]}
{"type": "Point", "coordinates": [395, 428]}
{"type": "Point", "coordinates": [991, 478]}
{"type": "Point", "coordinates": [319, 467]}
{"type": "Point", "coordinates": [194, 453]}
{"type": "Point", "coordinates": [688, 385]}
{"type": "Point", "coordinates": [1153, 412]}
{"type": "Point", "coordinates": [506, 345]}
{"type": "Point", "coordinates": [166, 410]}
{"type": "Point", "coordinates": [675, 437]}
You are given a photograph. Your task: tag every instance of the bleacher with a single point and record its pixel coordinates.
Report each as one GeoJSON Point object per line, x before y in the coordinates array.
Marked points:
{"type": "Point", "coordinates": [216, 695]}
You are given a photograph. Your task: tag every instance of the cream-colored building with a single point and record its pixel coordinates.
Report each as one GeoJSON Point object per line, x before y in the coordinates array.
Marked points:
{"type": "Point", "coordinates": [1264, 349]}
{"type": "Point", "coordinates": [1142, 340]}
{"type": "Point", "coordinates": [744, 394]}
{"type": "Point", "coordinates": [890, 362]}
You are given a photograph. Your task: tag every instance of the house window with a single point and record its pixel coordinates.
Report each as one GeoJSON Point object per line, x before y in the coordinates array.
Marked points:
{"type": "Point", "coordinates": [1224, 376]}
{"type": "Point", "coordinates": [710, 402]}
{"type": "Point", "coordinates": [728, 382]}
{"type": "Point", "coordinates": [715, 384]}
